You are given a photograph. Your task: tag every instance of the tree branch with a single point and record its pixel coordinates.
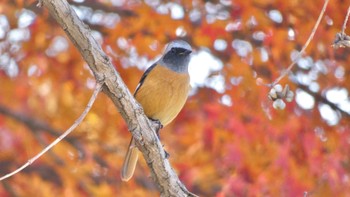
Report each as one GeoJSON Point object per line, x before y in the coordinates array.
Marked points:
{"type": "Point", "coordinates": [345, 21]}
{"type": "Point", "coordinates": [96, 5]}
{"type": "Point", "coordinates": [68, 131]}
{"type": "Point", "coordinates": [324, 100]}
{"type": "Point", "coordinates": [37, 125]}
{"type": "Point", "coordinates": [138, 124]}
{"type": "Point", "coordinates": [302, 51]}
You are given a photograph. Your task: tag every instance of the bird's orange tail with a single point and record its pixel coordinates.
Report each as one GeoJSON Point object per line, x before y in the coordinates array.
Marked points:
{"type": "Point", "coordinates": [130, 161]}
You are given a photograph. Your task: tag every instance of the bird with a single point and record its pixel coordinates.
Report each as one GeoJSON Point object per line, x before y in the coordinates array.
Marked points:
{"type": "Point", "coordinates": [162, 92]}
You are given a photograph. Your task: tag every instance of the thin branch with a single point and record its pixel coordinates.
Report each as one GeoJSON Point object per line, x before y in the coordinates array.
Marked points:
{"type": "Point", "coordinates": [68, 131]}
{"type": "Point", "coordinates": [290, 67]}
{"type": "Point", "coordinates": [42, 142]}
{"type": "Point", "coordinates": [37, 125]}
{"type": "Point", "coordinates": [345, 21]}
{"type": "Point", "coordinates": [30, 122]}
{"type": "Point", "coordinates": [341, 39]}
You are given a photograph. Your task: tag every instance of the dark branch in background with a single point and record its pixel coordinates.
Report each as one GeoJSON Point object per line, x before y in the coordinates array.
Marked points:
{"type": "Point", "coordinates": [37, 125]}
{"type": "Point", "coordinates": [46, 171]}
{"type": "Point", "coordinates": [9, 189]}
{"type": "Point", "coordinates": [63, 135]}
{"type": "Point", "coordinates": [96, 5]}
{"type": "Point", "coordinates": [90, 4]}
{"type": "Point", "coordinates": [322, 99]}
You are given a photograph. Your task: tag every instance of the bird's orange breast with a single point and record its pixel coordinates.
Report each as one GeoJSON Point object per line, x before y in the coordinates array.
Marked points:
{"type": "Point", "coordinates": [163, 94]}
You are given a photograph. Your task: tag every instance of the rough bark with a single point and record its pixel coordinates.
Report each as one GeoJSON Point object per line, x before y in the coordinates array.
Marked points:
{"type": "Point", "coordinates": [139, 125]}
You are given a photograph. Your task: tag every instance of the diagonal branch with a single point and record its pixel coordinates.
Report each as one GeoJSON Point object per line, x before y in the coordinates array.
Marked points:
{"type": "Point", "coordinates": [345, 21]}
{"type": "Point", "coordinates": [37, 125]}
{"type": "Point", "coordinates": [138, 124]}
{"type": "Point", "coordinates": [291, 66]}
{"type": "Point", "coordinates": [324, 100]}
{"type": "Point", "coordinates": [68, 131]}
{"type": "Point", "coordinates": [341, 39]}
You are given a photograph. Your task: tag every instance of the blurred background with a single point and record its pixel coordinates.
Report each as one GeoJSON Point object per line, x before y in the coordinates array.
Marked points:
{"type": "Point", "coordinates": [227, 141]}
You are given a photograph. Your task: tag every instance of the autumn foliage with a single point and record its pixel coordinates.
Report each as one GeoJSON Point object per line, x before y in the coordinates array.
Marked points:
{"type": "Point", "coordinates": [227, 141]}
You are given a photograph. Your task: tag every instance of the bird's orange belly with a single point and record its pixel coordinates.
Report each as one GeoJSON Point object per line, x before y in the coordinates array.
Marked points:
{"type": "Point", "coordinates": [163, 94]}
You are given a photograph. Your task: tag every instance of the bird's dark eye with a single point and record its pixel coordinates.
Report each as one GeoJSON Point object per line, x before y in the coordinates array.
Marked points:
{"type": "Point", "coordinates": [173, 50]}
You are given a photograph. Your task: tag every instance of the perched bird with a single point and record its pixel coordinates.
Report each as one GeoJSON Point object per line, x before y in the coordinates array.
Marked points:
{"type": "Point", "coordinates": [162, 92]}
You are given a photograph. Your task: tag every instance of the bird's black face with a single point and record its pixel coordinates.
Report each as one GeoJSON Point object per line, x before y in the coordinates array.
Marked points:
{"type": "Point", "coordinates": [180, 51]}
{"type": "Point", "coordinates": [177, 59]}
{"type": "Point", "coordinates": [177, 56]}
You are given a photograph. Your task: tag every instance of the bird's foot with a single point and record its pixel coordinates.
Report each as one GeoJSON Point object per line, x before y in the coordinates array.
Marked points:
{"type": "Point", "coordinates": [157, 125]}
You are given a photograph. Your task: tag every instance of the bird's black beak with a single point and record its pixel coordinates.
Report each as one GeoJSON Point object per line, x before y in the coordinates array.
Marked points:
{"type": "Point", "coordinates": [186, 52]}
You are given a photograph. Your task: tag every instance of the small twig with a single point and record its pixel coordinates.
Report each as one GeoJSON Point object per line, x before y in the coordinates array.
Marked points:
{"type": "Point", "coordinates": [40, 139]}
{"type": "Point", "coordinates": [341, 39]}
{"type": "Point", "coordinates": [68, 131]}
{"type": "Point", "coordinates": [345, 21]}
{"type": "Point", "coordinates": [36, 125]}
{"type": "Point", "coordinates": [286, 72]}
